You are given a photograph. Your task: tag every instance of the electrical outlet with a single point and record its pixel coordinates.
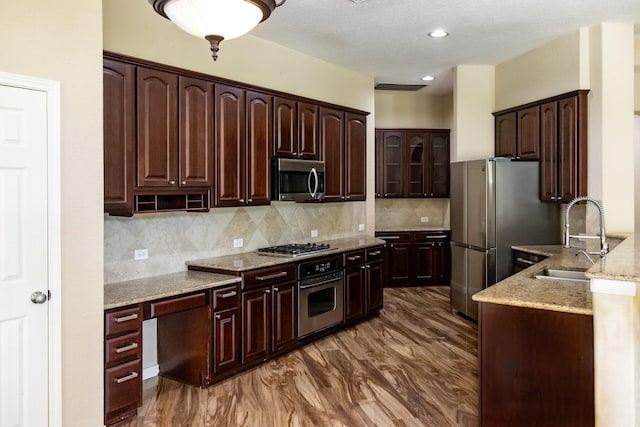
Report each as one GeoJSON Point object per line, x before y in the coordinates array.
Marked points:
{"type": "Point", "coordinates": [238, 243]}
{"type": "Point", "coordinates": [314, 233]}
{"type": "Point", "coordinates": [424, 219]}
{"type": "Point", "coordinates": [139, 254]}
{"type": "Point", "coordinates": [360, 227]}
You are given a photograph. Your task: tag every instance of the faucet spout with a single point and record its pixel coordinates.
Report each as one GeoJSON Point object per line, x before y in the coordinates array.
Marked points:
{"type": "Point", "coordinates": [604, 246]}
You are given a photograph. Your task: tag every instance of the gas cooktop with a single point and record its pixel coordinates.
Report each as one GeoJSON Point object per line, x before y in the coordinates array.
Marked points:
{"type": "Point", "coordinates": [294, 249]}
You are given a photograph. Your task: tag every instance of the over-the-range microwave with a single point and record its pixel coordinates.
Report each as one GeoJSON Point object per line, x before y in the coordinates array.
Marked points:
{"type": "Point", "coordinates": [297, 179]}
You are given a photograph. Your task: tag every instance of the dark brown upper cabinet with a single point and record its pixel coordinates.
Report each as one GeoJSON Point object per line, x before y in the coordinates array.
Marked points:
{"type": "Point", "coordinates": [157, 116]}
{"type": "Point", "coordinates": [563, 166]}
{"type": "Point", "coordinates": [412, 163]}
{"type": "Point", "coordinates": [518, 134]}
{"type": "Point", "coordinates": [331, 152]}
{"type": "Point", "coordinates": [355, 174]}
{"type": "Point", "coordinates": [259, 113]}
{"type": "Point", "coordinates": [295, 129]}
{"type": "Point", "coordinates": [196, 132]}
{"type": "Point", "coordinates": [119, 136]}
{"type": "Point", "coordinates": [230, 184]}
{"type": "Point", "coordinates": [307, 130]}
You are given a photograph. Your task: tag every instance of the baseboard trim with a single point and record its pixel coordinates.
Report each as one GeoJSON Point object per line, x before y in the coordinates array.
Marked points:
{"type": "Point", "coordinates": [150, 372]}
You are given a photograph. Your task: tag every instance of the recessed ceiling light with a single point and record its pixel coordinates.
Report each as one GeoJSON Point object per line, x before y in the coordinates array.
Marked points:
{"type": "Point", "coordinates": [428, 78]}
{"type": "Point", "coordinates": [439, 33]}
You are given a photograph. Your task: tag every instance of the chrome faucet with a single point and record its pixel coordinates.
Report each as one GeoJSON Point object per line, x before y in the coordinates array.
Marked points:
{"type": "Point", "coordinates": [604, 246]}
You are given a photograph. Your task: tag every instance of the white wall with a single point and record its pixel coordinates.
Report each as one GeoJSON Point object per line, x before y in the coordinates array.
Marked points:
{"type": "Point", "coordinates": [412, 110]}
{"type": "Point", "coordinates": [473, 131]}
{"type": "Point", "coordinates": [62, 41]}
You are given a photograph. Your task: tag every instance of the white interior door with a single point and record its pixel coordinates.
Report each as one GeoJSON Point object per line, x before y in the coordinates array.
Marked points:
{"type": "Point", "coordinates": [24, 345]}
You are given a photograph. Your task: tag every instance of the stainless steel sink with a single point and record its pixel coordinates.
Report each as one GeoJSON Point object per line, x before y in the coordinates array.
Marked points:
{"type": "Point", "coordinates": [563, 275]}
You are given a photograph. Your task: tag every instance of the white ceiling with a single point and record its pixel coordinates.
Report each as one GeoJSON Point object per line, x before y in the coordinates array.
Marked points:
{"type": "Point", "coordinates": [387, 39]}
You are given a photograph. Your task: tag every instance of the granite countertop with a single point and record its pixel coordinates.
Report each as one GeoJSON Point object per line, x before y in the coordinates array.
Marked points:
{"type": "Point", "coordinates": [622, 263]}
{"type": "Point", "coordinates": [129, 292]}
{"type": "Point", "coordinates": [524, 290]}
{"type": "Point", "coordinates": [412, 228]}
{"type": "Point", "coordinates": [252, 260]}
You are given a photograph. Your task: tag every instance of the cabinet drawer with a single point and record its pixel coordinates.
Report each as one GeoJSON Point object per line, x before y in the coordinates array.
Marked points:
{"type": "Point", "coordinates": [429, 236]}
{"type": "Point", "coordinates": [175, 304]}
{"type": "Point", "coordinates": [123, 321]}
{"type": "Point", "coordinates": [400, 237]}
{"type": "Point", "coordinates": [269, 276]}
{"type": "Point", "coordinates": [123, 386]}
{"type": "Point", "coordinates": [375, 254]}
{"type": "Point", "coordinates": [125, 347]}
{"type": "Point", "coordinates": [226, 297]}
{"type": "Point", "coordinates": [354, 258]}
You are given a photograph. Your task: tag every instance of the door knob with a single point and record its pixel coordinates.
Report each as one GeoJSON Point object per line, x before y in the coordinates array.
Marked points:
{"type": "Point", "coordinates": [38, 297]}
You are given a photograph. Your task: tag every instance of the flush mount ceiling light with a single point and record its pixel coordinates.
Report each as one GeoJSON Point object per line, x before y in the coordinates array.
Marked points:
{"type": "Point", "coordinates": [215, 20]}
{"type": "Point", "coordinates": [428, 78]}
{"type": "Point", "coordinates": [438, 34]}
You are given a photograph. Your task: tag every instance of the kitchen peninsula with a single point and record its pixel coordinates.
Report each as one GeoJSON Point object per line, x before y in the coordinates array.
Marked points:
{"type": "Point", "coordinates": [575, 340]}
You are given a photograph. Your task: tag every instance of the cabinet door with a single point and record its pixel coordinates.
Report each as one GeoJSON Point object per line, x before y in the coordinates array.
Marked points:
{"type": "Point", "coordinates": [354, 293]}
{"type": "Point", "coordinates": [528, 143]}
{"type": "Point", "coordinates": [157, 128]}
{"type": "Point", "coordinates": [399, 264]}
{"type": "Point", "coordinates": [285, 120]}
{"type": "Point", "coordinates": [331, 151]}
{"type": "Point", "coordinates": [119, 117]}
{"type": "Point", "coordinates": [229, 146]}
{"type": "Point", "coordinates": [425, 262]}
{"type": "Point", "coordinates": [285, 316]}
{"type": "Point", "coordinates": [355, 153]}
{"type": "Point", "coordinates": [393, 155]}
{"type": "Point", "coordinates": [259, 141]}
{"type": "Point", "coordinates": [379, 164]}
{"type": "Point", "coordinates": [196, 132]}
{"type": "Point", "coordinates": [568, 149]}
{"type": "Point", "coordinates": [226, 340]}
{"type": "Point", "coordinates": [417, 168]}
{"type": "Point", "coordinates": [548, 151]}
{"type": "Point", "coordinates": [506, 135]}
{"type": "Point", "coordinates": [307, 130]}
{"type": "Point", "coordinates": [439, 164]}
{"type": "Point", "coordinates": [256, 325]}
{"type": "Point", "coordinates": [375, 281]}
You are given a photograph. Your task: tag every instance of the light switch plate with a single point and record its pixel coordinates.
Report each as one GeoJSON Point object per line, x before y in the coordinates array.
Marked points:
{"type": "Point", "coordinates": [140, 254]}
{"type": "Point", "coordinates": [314, 233]}
{"type": "Point", "coordinates": [238, 243]}
{"type": "Point", "coordinates": [360, 227]}
{"type": "Point", "coordinates": [424, 219]}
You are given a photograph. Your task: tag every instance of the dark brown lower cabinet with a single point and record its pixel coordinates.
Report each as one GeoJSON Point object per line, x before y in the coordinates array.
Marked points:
{"type": "Point", "coordinates": [256, 325]}
{"type": "Point", "coordinates": [375, 281]}
{"type": "Point", "coordinates": [226, 341]}
{"type": "Point", "coordinates": [536, 367]}
{"type": "Point", "coordinates": [363, 283]}
{"type": "Point", "coordinates": [285, 316]}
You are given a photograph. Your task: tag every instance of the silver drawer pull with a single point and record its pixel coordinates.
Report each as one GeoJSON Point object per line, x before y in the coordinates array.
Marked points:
{"type": "Point", "coordinates": [131, 376]}
{"type": "Point", "coordinates": [131, 346]}
{"type": "Point", "coordinates": [375, 253]}
{"type": "Point", "coordinates": [439, 236]}
{"type": "Point", "coordinates": [271, 276]}
{"type": "Point", "coordinates": [354, 258]}
{"type": "Point", "coordinates": [229, 294]}
{"type": "Point", "coordinates": [525, 261]}
{"type": "Point", "coordinates": [126, 318]}
{"type": "Point", "coordinates": [389, 237]}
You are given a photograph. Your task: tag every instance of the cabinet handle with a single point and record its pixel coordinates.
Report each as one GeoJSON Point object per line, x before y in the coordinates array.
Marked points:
{"type": "Point", "coordinates": [525, 261]}
{"type": "Point", "coordinates": [386, 194]}
{"type": "Point", "coordinates": [131, 376]}
{"type": "Point", "coordinates": [125, 318]}
{"type": "Point", "coordinates": [354, 258]}
{"type": "Point", "coordinates": [241, 200]}
{"type": "Point", "coordinates": [229, 294]}
{"type": "Point", "coordinates": [391, 245]}
{"type": "Point", "coordinates": [271, 276]}
{"type": "Point", "coordinates": [342, 197]}
{"type": "Point", "coordinates": [267, 291]}
{"type": "Point", "coordinates": [184, 182]}
{"type": "Point", "coordinates": [362, 267]}
{"type": "Point", "coordinates": [172, 182]}
{"type": "Point", "coordinates": [438, 236]}
{"type": "Point", "coordinates": [249, 200]}
{"type": "Point", "coordinates": [390, 237]}
{"type": "Point", "coordinates": [276, 289]}
{"type": "Point", "coordinates": [368, 266]}
{"type": "Point", "coordinates": [218, 317]}
{"type": "Point", "coordinates": [375, 253]}
{"type": "Point", "coordinates": [131, 346]}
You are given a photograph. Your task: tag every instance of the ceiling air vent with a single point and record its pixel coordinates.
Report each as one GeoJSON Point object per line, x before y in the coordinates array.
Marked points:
{"type": "Point", "coordinates": [392, 86]}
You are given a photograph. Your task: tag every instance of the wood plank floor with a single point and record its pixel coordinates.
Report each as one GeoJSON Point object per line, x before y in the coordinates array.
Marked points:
{"type": "Point", "coordinates": [414, 365]}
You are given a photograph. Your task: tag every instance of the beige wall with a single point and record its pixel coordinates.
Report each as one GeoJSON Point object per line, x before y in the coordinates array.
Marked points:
{"type": "Point", "coordinates": [412, 110]}
{"type": "Point", "coordinates": [636, 63]}
{"type": "Point", "coordinates": [63, 41]}
{"type": "Point", "coordinates": [472, 134]}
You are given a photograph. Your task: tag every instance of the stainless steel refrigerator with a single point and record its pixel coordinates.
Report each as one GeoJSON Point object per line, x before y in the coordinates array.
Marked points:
{"type": "Point", "coordinates": [494, 205]}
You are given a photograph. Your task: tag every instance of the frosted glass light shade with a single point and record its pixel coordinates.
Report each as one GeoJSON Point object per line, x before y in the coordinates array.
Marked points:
{"type": "Point", "coordinates": [225, 18]}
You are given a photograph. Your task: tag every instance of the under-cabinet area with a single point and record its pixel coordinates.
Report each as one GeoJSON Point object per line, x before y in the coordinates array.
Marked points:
{"type": "Point", "coordinates": [178, 140]}
{"type": "Point", "coordinates": [230, 313]}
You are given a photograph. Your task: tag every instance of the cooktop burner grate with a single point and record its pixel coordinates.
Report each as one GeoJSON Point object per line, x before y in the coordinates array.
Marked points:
{"type": "Point", "coordinates": [294, 249]}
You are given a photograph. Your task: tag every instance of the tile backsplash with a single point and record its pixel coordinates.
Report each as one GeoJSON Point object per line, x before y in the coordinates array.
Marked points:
{"type": "Point", "coordinates": [408, 212]}
{"type": "Point", "coordinates": [173, 238]}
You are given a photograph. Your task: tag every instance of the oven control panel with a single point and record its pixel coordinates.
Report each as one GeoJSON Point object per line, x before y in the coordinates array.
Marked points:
{"type": "Point", "coordinates": [319, 266]}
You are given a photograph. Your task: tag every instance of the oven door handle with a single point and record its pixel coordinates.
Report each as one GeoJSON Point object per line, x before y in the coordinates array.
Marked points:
{"type": "Point", "coordinates": [324, 282]}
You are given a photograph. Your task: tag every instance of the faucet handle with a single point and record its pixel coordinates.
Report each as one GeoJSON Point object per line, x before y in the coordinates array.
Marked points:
{"type": "Point", "coordinates": [604, 248]}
